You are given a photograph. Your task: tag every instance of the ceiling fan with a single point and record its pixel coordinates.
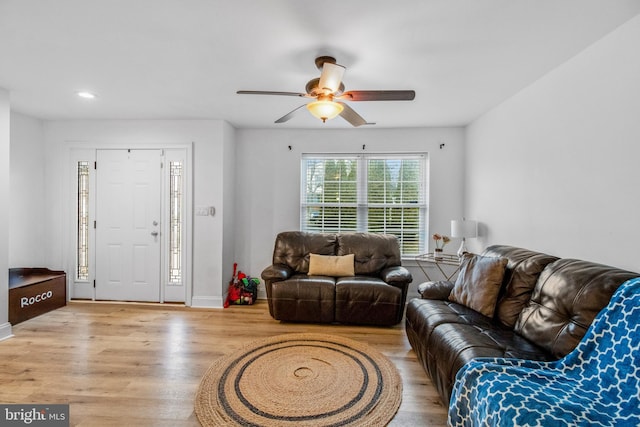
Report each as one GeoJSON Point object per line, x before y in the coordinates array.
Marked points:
{"type": "Point", "coordinates": [328, 88]}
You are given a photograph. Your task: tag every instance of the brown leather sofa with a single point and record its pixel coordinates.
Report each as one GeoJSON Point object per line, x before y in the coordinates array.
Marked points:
{"type": "Point", "coordinates": [374, 295]}
{"type": "Point", "coordinates": [544, 307]}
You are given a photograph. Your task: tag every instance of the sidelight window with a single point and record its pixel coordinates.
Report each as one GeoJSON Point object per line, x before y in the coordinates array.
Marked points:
{"type": "Point", "coordinates": [175, 222]}
{"type": "Point", "coordinates": [82, 264]}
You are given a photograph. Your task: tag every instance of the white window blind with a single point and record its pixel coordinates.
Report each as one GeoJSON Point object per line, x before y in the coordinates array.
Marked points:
{"type": "Point", "coordinates": [371, 193]}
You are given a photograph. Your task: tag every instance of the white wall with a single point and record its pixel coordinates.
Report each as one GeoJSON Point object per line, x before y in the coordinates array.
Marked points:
{"type": "Point", "coordinates": [229, 195]}
{"type": "Point", "coordinates": [28, 212]}
{"type": "Point", "coordinates": [268, 179]}
{"type": "Point", "coordinates": [5, 155]}
{"type": "Point", "coordinates": [555, 168]}
{"type": "Point", "coordinates": [209, 138]}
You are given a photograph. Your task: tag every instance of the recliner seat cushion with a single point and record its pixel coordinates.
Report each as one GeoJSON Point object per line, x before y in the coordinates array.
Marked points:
{"type": "Point", "coordinates": [304, 299]}
{"type": "Point", "coordinates": [367, 300]}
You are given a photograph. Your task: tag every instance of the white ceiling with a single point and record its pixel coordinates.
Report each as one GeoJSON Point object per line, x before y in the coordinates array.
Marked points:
{"type": "Point", "coordinates": [185, 59]}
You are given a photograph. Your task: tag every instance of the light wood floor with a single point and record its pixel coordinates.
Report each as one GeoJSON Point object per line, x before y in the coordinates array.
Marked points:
{"type": "Point", "coordinates": [140, 365]}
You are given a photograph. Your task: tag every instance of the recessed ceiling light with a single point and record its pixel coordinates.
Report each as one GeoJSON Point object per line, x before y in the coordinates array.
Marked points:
{"type": "Point", "coordinates": [86, 95]}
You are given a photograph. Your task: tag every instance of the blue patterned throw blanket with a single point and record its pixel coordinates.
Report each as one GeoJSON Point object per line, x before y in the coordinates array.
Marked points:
{"type": "Point", "coordinates": [597, 384]}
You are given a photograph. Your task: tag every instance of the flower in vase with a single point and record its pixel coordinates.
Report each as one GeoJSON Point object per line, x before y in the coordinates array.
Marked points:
{"type": "Point", "coordinates": [440, 240]}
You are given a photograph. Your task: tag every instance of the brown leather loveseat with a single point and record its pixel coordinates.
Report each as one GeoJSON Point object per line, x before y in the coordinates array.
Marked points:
{"type": "Point", "coordinates": [373, 292]}
{"type": "Point", "coordinates": [542, 308]}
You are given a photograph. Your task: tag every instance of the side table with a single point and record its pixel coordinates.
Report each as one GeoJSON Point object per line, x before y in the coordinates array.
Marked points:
{"type": "Point", "coordinates": [439, 260]}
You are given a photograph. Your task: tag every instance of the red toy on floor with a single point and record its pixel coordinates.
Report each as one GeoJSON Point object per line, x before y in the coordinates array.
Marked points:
{"type": "Point", "coordinates": [242, 288]}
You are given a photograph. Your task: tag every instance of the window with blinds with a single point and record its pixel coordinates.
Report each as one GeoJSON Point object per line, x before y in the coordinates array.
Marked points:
{"type": "Point", "coordinates": [371, 193]}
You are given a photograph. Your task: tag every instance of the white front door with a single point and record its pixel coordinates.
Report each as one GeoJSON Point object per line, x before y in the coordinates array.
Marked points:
{"type": "Point", "coordinates": [128, 225]}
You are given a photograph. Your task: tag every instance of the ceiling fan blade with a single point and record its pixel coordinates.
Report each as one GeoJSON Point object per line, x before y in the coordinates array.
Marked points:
{"type": "Point", "coordinates": [331, 77]}
{"type": "Point", "coordinates": [350, 115]}
{"type": "Point", "coordinates": [265, 92]}
{"type": "Point", "coordinates": [289, 115]}
{"type": "Point", "coordinates": [379, 95]}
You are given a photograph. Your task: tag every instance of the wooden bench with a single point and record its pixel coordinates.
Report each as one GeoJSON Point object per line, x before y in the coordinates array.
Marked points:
{"type": "Point", "coordinates": [35, 291]}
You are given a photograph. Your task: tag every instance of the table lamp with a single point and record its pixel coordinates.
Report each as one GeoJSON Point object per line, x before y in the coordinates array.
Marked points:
{"type": "Point", "coordinates": [463, 228]}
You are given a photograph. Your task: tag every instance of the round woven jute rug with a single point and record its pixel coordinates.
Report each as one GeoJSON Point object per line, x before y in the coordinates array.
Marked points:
{"type": "Point", "coordinates": [300, 380]}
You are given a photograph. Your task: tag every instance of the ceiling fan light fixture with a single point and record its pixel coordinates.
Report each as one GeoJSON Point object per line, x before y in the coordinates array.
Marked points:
{"type": "Point", "coordinates": [329, 86]}
{"type": "Point", "coordinates": [325, 110]}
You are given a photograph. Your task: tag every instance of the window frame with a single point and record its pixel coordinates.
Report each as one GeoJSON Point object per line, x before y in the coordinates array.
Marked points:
{"type": "Point", "coordinates": [362, 204]}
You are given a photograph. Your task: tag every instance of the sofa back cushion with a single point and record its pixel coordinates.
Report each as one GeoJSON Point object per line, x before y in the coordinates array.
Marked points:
{"type": "Point", "coordinates": [567, 297]}
{"type": "Point", "coordinates": [293, 248]}
{"type": "Point", "coordinates": [373, 252]}
{"type": "Point", "coordinates": [522, 272]}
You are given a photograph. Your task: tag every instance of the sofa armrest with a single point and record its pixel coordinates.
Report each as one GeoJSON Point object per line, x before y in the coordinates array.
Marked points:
{"type": "Point", "coordinates": [276, 273]}
{"type": "Point", "coordinates": [397, 276]}
{"type": "Point", "coordinates": [439, 290]}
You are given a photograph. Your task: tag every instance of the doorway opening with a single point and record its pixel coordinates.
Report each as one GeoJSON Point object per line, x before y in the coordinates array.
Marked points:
{"type": "Point", "coordinates": [131, 227]}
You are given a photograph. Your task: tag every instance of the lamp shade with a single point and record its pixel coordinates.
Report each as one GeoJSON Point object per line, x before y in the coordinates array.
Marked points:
{"type": "Point", "coordinates": [325, 110]}
{"type": "Point", "coordinates": [464, 228]}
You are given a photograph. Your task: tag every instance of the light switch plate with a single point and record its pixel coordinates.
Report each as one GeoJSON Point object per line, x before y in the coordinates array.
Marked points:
{"type": "Point", "coordinates": [202, 211]}
{"type": "Point", "coordinates": [205, 211]}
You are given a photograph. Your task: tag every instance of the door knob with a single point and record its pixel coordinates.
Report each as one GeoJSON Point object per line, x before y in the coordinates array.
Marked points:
{"type": "Point", "coordinates": [154, 233]}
